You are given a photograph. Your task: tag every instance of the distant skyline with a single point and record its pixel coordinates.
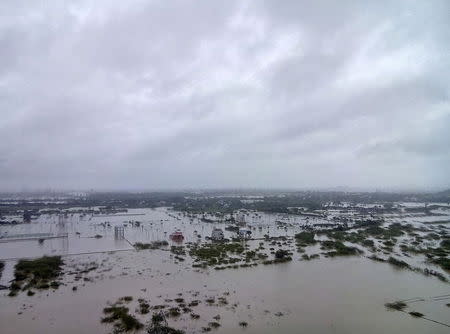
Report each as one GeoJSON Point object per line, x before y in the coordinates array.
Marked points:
{"type": "Point", "coordinates": [167, 95]}
{"type": "Point", "coordinates": [225, 190]}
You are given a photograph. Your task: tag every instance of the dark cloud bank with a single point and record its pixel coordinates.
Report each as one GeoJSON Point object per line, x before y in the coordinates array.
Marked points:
{"type": "Point", "coordinates": [201, 94]}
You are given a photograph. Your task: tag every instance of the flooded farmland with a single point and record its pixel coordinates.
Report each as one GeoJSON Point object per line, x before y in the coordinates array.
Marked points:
{"type": "Point", "coordinates": [273, 280]}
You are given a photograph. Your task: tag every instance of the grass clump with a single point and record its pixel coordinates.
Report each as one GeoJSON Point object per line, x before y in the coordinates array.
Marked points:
{"type": "Point", "coordinates": [222, 301]}
{"type": "Point", "coordinates": [54, 285]}
{"type": "Point", "coordinates": [144, 307]}
{"type": "Point", "coordinates": [307, 257]}
{"type": "Point", "coordinates": [281, 254]}
{"type": "Point", "coordinates": [178, 250]}
{"type": "Point", "coordinates": [398, 306]}
{"type": "Point", "coordinates": [152, 245]}
{"type": "Point", "coordinates": [159, 325]}
{"type": "Point", "coordinates": [173, 312]}
{"type": "Point", "coordinates": [416, 314]}
{"type": "Point", "coordinates": [123, 321]}
{"type": "Point", "coordinates": [210, 300]}
{"type": "Point", "coordinates": [214, 324]}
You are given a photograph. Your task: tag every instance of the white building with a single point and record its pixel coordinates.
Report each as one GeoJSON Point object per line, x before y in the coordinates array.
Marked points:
{"type": "Point", "coordinates": [244, 233]}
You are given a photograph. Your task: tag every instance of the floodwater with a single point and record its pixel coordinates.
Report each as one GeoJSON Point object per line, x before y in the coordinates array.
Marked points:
{"type": "Point", "coordinates": [156, 224]}
{"type": "Point", "coordinates": [342, 295]}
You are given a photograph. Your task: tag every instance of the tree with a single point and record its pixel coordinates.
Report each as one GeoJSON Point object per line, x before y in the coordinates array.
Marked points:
{"type": "Point", "coordinates": [26, 216]}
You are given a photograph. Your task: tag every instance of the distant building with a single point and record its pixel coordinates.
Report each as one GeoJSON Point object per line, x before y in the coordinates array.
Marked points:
{"type": "Point", "coordinates": [240, 218]}
{"type": "Point", "coordinates": [244, 233]}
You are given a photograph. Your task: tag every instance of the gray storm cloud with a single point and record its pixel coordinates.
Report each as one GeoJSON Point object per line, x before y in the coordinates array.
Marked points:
{"type": "Point", "coordinates": [198, 94]}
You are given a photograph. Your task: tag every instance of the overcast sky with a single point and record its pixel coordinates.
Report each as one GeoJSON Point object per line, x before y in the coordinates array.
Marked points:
{"type": "Point", "coordinates": [206, 94]}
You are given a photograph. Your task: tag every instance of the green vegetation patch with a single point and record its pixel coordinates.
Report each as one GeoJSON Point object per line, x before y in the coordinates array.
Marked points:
{"type": "Point", "coordinates": [305, 238]}
{"type": "Point", "coordinates": [337, 248]}
{"type": "Point", "coordinates": [444, 262]}
{"type": "Point", "coordinates": [368, 243]}
{"type": "Point", "coordinates": [217, 253]}
{"type": "Point", "coordinates": [445, 244]}
{"type": "Point", "coordinates": [38, 273]}
{"type": "Point", "coordinates": [393, 231]}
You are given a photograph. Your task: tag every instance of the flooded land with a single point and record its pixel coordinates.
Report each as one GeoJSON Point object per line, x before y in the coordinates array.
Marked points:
{"type": "Point", "coordinates": [225, 262]}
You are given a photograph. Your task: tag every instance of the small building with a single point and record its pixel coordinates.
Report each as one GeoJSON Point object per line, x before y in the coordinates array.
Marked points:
{"type": "Point", "coordinates": [217, 234]}
{"type": "Point", "coordinates": [119, 232]}
{"type": "Point", "coordinates": [240, 218]}
{"type": "Point", "coordinates": [244, 233]}
{"type": "Point", "coordinates": [176, 236]}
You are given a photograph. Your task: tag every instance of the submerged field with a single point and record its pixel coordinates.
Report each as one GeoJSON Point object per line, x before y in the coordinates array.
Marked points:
{"type": "Point", "coordinates": [294, 276]}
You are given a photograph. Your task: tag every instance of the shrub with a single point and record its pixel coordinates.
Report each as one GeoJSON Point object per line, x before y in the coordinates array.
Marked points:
{"type": "Point", "coordinates": [306, 238]}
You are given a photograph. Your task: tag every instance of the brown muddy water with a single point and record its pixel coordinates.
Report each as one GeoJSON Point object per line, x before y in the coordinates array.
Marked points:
{"type": "Point", "coordinates": [339, 295]}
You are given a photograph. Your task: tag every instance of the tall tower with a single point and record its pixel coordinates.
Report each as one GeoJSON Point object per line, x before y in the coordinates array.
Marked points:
{"type": "Point", "coordinates": [62, 232]}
